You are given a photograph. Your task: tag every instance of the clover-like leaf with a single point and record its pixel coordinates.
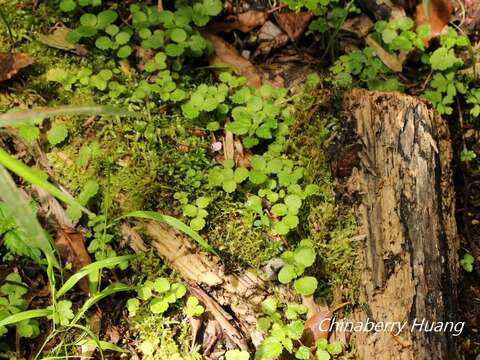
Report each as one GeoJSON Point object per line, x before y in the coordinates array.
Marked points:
{"type": "Point", "coordinates": [306, 285]}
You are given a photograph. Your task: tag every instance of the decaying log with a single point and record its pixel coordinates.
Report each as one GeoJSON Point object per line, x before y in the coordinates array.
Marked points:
{"type": "Point", "coordinates": [242, 293]}
{"type": "Point", "coordinates": [410, 258]}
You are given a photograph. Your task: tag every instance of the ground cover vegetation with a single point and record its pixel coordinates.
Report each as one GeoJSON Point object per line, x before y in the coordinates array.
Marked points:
{"type": "Point", "coordinates": [136, 125]}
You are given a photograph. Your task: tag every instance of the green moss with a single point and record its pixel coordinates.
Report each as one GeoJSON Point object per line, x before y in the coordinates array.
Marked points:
{"type": "Point", "coordinates": [242, 245]}
{"type": "Point", "coordinates": [163, 338]}
{"type": "Point", "coordinates": [330, 224]}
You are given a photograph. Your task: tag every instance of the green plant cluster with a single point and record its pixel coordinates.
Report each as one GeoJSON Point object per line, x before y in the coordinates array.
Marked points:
{"type": "Point", "coordinates": [12, 302]}
{"type": "Point", "coordinates": [445, 83]}
{"type": "Point", "coordinates": [172, 32]}
{"type": "Point", "coordinates": [159, 294]}
{"type": "Point", "coordinates": [197, 213]}
{"type": "Point", "coordinates": [13, 237]}
{"type": "Point", "coordinates": [284, 335]}
{"type": "Point", "coordinates": [296, 262]}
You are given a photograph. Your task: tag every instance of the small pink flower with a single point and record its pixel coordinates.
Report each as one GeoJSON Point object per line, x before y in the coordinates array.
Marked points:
{"type": "Point", "coordinates": [217, 146]}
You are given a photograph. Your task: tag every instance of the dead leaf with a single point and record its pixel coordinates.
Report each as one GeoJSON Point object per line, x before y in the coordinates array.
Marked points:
{"type": "Point", "coordinates": [294, 23]}
{"type": "Point", "coordinates": [439, 13]}
{"type": "Point", "coordinates": [227, 54]}
{"type": "Point", "coordinates": [11, 63]}
{"type": "Point", "coordinates": [471, 12]}
{"type": "Point", "coordinates": [57, 39]}
{"type": "Point", "coordinates": [391, 61]}
{"type": "Point", "coordinates": [71, 246]}
{"type": "Point", "coordinates": [317, 327]}
{"type": "Point", "coordinates": [213, 333]}
{"type": "Point", "coordinates": [271, 37]}
{"type": "Point", "coordinates": [245, 22]}
{"type": "Point", "coordinates": [143, 56]}
{"type": "Point", "coordinates": [358, 25]}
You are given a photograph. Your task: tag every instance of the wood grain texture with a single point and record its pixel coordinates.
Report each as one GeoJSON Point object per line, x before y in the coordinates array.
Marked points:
{"type": "Point", "coordinates": [410, 261]}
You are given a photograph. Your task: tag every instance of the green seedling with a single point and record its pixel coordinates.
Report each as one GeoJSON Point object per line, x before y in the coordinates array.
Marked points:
{"type": "Point", "coordinates": [157, 295]}
{"type": "Point", "coordinates": [12, 302]}
{"type": "Point", "coordinates": [466, 262]}
{"type": "Point", "coordinates": [226, 177]}
{"type": "Point", "coordinates": [197, 212]}
{"type": "Point", "coordinates": [237, 355]}
{"type": "Point", "coordinates": [193, 307]}
{"type": "Point", "coordinates": [295, 264]}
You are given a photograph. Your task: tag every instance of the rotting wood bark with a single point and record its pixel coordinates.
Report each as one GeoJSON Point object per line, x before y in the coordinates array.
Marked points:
{"type": "Point", "coordinates": [410, 258]}
{"type": "Point", "coordinates": [206, 277]}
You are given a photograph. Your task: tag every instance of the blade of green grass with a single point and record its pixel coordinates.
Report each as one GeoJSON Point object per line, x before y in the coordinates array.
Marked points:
{"type": "Point", "coordinates": [15, 117]}
{"type": "Point", "coordinates": [90, 268]}
{"type": "Point", "coordinates": [100, 344]}
{"type": "Point", "coordinates": [32, 176]}
{"type": "Point", "coordinates": [24, 315]}
{"type": "Point", "coordinates": [174, 222]}
{"type": "Point", "coordinates": [92, 300]}
{"type": "Point", "coordinates": [25, 217]}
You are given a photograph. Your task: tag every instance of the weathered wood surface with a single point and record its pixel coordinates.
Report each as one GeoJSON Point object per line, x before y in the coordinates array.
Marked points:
{"type": "Point", "coordinates": [410, 261]}
{"type": "Point", "coordinates": [206, 277]}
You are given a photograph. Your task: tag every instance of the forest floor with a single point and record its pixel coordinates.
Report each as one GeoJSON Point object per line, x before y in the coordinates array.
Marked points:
{"type": "Point", "coordinates": [179, 150]}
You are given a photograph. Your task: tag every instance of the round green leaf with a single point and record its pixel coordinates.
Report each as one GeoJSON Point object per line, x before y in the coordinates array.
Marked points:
{"type": "Point", "coordinates": [229, 185]}
{"type": "Point", "coordinates": [158, 306]}
{"type": "Point", "coordinates": [291, 221]}
{"type": "Point", "coordinates": [57, 134]}
{"type": "Point", "coordinates": [68, 5]}
{"type": "Point", "coordinates": [124, 52]}
{"type": "Point", "coordinates": [190, 210]}
{"type": "Point", "coordinates": [88, 20]}
{"type": "Point", "coordinates": [112, 30]}
{"type": "Point", "coordinates": [293, 202]}
{"type": "Point", "coordinates": [178, 35]}
{"type": "Point", "coordinates": [281, 228]}
{"type": "Point", "coordinates": [103, 43]}
{"type": "Point", "coordinates": [203, 201]}
{"type": "Point", "coordinates": [161, 285]}
{"type": "Point", "coordinates": [303, 353]}
{"type": "Point", "coordinates": [258, 162]}
{"type": "Point", "coordinates": [305, 285]}
{"type": "Point", "coordinates": [287, 274]}
{"type": "Point", "coordinates": [106, 18]}
{"type": "Point", "coordinates": [304, 255]}
{"type": "Point", "coordinates": [257, 177]}
{"type": "Point", "coordinates": [144, 33]}
{"type": "Point", "coordinates": [279, 209]}
{"type": "Point", "coordinates": [322, 355]}
{"type": "Point", "coordinates": [240, 174]}
{"type": "Point", "coordinates": [122, 38]}
{"type": "Point", "coordinates": [197, 224]}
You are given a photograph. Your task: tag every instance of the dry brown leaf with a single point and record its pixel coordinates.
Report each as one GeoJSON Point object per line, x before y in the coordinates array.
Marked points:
{"type": "Point", "coordinates": [317, 327]}
{"type": "Point", "coordinates": [71, 246]}
{"type": "Point", "coordinates": [57, 39]}
{"type": "Point", "coordinates": [294, 23]}
{"type": "Point", "coordinates": [11, 63]}
{"type": "Point", "coordinates": [439, 13]}
{"type": "Point", "coordinates": [245, 22]}
{"type": "Point", "coordinates": [391, 61]}
{"type": "Point", "coordinates": [227, 54]}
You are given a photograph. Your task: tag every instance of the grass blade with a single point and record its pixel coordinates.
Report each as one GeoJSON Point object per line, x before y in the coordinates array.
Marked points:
{"type": "Point", "coordinates": [174, 222]}
{"type": "Point", "coordinates": [92, 300]}
{"type": "Point", "coordinates": [24, 315]}
{"type": "Point", "coordinates": [24, 216]}
{"type": "Point", "coordinates": [100, 344]}
{"type": "Point", "coordinates": [32, 176]}
{"type": "Point", "coordinates": [90, 268]}
{"type": "Point", "coordinates": [30, 116]}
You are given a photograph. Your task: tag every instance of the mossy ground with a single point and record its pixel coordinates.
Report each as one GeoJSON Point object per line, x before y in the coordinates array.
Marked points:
{"type": "Point", "coordinates": [141, 163]}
